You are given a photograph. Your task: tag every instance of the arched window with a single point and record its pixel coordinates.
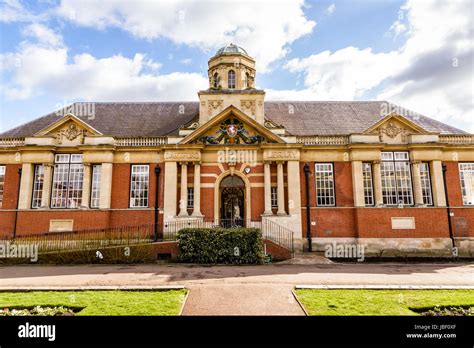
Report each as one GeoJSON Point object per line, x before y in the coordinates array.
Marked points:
{"type": "Point", "coordinates": [215, 80]}
{"type": "Point", "coordinates": [231, 79]}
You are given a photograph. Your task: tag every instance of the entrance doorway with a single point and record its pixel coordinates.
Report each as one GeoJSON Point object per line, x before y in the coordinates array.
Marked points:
{"type": "Point", "coordinates": [232, 194]}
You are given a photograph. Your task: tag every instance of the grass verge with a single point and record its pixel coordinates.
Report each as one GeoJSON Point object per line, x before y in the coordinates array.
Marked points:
{"type": "Point", "coordinates": [379, 302]}
{"type": "Point", "coordinates": [112, 303]}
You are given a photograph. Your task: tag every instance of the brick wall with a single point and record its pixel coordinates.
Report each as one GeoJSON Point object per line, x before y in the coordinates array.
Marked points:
{"type": "Point", "coordinates": [10, 199]}
{"type": "Point", "coordinates": [376, 222]}
{"type": "Point", "coordinates": [463, 219]}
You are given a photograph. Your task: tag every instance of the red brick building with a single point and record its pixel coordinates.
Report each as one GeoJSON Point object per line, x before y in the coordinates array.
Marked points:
{"type": "Point", "coordinates": [366, 172]}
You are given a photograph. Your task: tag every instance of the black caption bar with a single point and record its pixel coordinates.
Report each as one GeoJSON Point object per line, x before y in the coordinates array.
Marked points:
{"type": "Point", "coordinates": [225, 331]}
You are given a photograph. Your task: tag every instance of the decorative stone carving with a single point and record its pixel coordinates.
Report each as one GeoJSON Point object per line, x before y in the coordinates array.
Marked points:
{"type": "Point", "coordinates": [183, 156]}
{"type": "Point", "coordinates": [70, 133]}
{"type": "Point", "coordinates": [270, 125]}
{"type": "Point", "coordinates": [232, 131]}
{"type": "Point", "coordinates": [214, 106]}
{"type": "Point", "coordinates": [248, 106]}
{"type": "Point", "coordinates": [392, 131]}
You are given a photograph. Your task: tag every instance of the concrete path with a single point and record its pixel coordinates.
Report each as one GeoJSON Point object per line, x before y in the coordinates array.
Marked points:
{"type": "Point", "coordinates": [239, 290]}
{"type": "Point", "coordinates": [241, 299]}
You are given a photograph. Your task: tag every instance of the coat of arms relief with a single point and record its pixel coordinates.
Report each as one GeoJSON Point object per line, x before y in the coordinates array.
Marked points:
{"type": "Point", "coordinates": [71, 133]}
{"type": "Point", "coordinates": [392, 131]}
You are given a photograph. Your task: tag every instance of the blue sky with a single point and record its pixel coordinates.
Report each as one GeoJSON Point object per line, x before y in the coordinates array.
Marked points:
{"type": "Point", "coordinates": [53, 53]}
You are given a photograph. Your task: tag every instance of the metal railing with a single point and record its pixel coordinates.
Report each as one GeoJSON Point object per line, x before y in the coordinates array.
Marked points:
{"type": "Point", "coordinates": [272, 231]}
{"type": "Point", "coordinates": [86, 239]}
{"type": "Point", "coordinates": [171, 228]}
{"type": "Point", "coordinates": [90, 239]}
{"type": "Point", "coordinates": [278, 234]}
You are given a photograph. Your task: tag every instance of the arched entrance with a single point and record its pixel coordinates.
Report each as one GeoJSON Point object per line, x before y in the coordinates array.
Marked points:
{"type": "Point", "coordinates": [232, 198]}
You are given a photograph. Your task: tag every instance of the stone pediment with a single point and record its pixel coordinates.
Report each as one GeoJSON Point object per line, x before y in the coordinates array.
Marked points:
{"type": "Point", "coordinates": [395, 129]}
{"type": "Point", "coordinates": [68, 131]}
{"type": "Point", "coordinates": [231, 127]}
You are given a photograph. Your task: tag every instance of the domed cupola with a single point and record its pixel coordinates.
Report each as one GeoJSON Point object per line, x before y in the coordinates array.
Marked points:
{"type": "Point", "coordinates": [231, 68]}
{"type": "Point", "coordinates": [231, 49]}
{"type": "Point", "coordinates": [231, 75]}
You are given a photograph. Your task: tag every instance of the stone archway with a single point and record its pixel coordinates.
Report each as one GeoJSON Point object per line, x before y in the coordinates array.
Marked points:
{"type": "Point", "coordinates": [244, 186]}
{"type": "Point", "coordinates": [232, 202]}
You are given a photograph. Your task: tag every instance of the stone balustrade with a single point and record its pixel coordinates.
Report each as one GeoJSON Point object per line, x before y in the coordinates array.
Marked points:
{"type": "Point", "coordinates": [141, 141]}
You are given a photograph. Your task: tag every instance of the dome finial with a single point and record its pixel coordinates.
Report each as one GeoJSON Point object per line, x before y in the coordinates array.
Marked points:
{"type": "Point", "coordinates": [231, 49]}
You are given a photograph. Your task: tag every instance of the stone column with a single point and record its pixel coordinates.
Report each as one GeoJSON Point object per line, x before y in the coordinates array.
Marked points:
{"type": "Point", "coordinates": [377, 177]}
{"type": "Point", "coordinates": [105, 186]}
{"type": "Point", "coordinates": [281, 189]}
{"type": "Point", "coordinates": [183, 201]}
{"type": "Point", "coordinates": [294, 202]}
{"type": "Point", "coordinates": [294, 188]}
{"type": "Point", "coordinates": [86, 186]}
{"type": "Point", "coordinates": [417, 190]}
{"type": "Point", "coordinates": [26, 186]}
{"type": "Point", "coordinates": [170, 190]}
{"type": "Point", "coordinates": [197, 190]}
{"type": "Point", "coordinates": [437, 184]}
{"type": "Point", "coordinates": [267, 189]}
{"type": "Point", "coordinates": [358, 184]}
{"type": "Point", "coordinates": [47, 183]}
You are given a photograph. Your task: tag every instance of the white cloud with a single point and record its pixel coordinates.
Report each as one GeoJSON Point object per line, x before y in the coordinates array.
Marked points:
{"type": "Point", "coordinates": [265, 28]}
{"type": "Point", "coordinates": [186, 61]}
{"type": "Point", "coordinates": [397, 28]}
{"type": "Point", "coordinates": [344, 74]}
{"type": "Point", "coordinates": [43, 34]}
{"type": "Point", "coordinates": [13, 11]}
{"type": "Point", "coordinates": [331, 8]}
{"type": "Point", "coordinates": [432, 73]}
{"type": "Point", "coordinates": [86, 77]}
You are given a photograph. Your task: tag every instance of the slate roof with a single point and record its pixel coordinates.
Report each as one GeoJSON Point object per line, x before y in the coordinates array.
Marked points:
{"type": "Point", "coordinates": [298, 118]}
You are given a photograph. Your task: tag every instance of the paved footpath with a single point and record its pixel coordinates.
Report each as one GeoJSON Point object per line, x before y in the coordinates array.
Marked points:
{"type": "Point", "coordinates": [264, 290]}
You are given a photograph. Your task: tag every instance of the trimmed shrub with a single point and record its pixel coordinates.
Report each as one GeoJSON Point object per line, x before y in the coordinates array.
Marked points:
{"type": "Point", "coordinates": [221, 245]}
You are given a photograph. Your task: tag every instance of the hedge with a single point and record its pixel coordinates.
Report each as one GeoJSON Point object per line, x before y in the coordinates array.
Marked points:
{"type": "Point", "coordinates": [221, 245]}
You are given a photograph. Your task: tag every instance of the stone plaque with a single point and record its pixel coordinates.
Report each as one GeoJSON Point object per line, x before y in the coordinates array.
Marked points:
{"type": "Point", "coordinates": [60, 225]}
{"type": "Point", "coordinates": [403, 223]}
{"type": "Point", "coordinates": [182, 156]}
{"type": "Point", "coordinates": [281, 155]}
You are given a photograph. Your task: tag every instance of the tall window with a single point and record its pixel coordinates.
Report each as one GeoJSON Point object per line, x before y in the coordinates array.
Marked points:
{"type": "Point", "coordinates": [466, 173]}
{"type": "Point", "coordinates": [190, 198]}
{"type": "Point", "coordinates": [426, 183]}
{"type": "Point", "coordinates": [274, 196]}
{"type": "Point", "coordinates": [139, 186]}
{"type": "Point", "coordinates": [2, 184]}
{"type": "Point", "coordinates": [67, 181]}
{"type": "Point", "coordinates": [38, 183]}
{"type": "Point", "coordinates": [396, 178]}
{"type": "Point", "coordinates": [368, 184]}
{"type": "Point", "coordinates": [325, 195]}
{"type": "Point", "coordinates": [231, 79]}
{"type": "Point", "coordinates": [95, 186]}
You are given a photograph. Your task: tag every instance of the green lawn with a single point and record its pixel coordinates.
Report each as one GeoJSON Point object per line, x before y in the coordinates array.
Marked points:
{"type": "Point", "coordinates": [101, 302]}
{"type": "Point", "coordinates": [379, 302]}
